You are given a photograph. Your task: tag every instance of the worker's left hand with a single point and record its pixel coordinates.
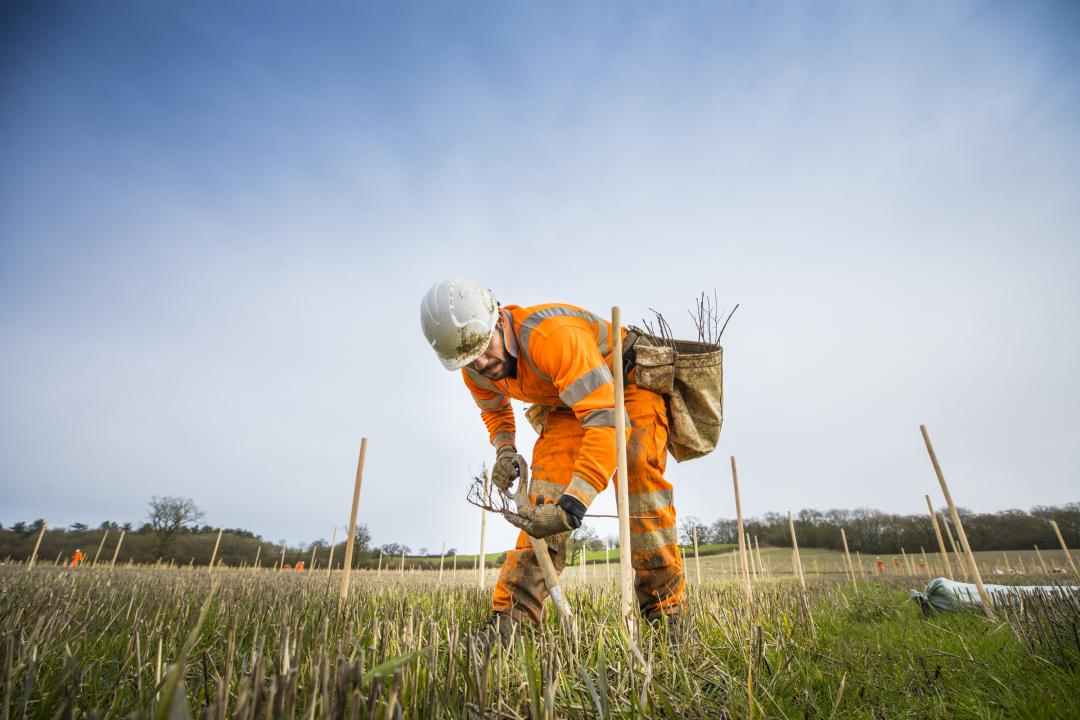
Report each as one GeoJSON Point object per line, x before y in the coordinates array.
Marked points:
{"type": "Point", "coordinates": [541, 521]}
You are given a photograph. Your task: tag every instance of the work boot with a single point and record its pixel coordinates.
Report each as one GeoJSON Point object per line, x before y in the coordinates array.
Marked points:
{"type": "Point", "coordinates": [500, 628]}
{"type": "Point", "coordinates": [676, 625]}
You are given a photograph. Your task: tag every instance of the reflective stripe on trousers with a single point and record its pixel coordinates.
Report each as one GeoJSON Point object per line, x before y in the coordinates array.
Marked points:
{"type": "Point", "coordinates": [657, 563]}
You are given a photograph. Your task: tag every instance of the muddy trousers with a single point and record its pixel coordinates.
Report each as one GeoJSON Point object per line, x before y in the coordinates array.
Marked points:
{"type": "Point", "coordinates": [658, 569]}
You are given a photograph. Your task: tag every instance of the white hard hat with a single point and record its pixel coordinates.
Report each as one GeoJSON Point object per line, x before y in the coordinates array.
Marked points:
{"type": "Point", "coordinates": [458, 318]}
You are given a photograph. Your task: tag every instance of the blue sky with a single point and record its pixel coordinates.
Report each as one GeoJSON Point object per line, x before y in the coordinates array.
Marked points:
{"type": "Point", "coordinates": [217, 220]}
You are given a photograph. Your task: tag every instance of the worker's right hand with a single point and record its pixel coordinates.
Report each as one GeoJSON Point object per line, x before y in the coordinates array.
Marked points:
{"type": "Point", "coordinates": [506, 470]}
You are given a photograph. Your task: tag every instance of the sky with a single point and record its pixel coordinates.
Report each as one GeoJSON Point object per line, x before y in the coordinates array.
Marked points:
{"type": "Point", "coordinates": [217, 221]}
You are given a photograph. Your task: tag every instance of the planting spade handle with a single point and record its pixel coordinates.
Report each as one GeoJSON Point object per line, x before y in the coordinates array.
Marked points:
{"type": "Point", "coordinates": [540, 546]}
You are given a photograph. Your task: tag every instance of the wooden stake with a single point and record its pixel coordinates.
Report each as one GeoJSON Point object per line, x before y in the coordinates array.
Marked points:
{"type": "Point", "coordinates": [402, 574]}
{"type": "Point", "coordinates": [378, 572]}
{"type": "Point", "coordinates": [847, 557]}
{"type": "Point", "coordinates": [959, 525]}
{"type": "Point", "coordinates": [442, 558]}
{"type": "Point", "coordinates": [627, 604]}
{"type": "Point", "coordinates": [281, 563]}
{"type": "Point", "coordinates": [607, 562]}
{"type": "Point", "coordinates": [907, 562]}
{"type": "Point", "coordinates": [742, 539]}
{"type": "Point", "coordinates": [116, 551]}
{"type": "Point", "coordinates": [1068, 555]}
{"type": "Point", "coordinates": [956, 551]}
{"type": "Point", "coordinates": [795, 553]}
{"type": "Point", "coordinates": [343, 591]}
{"type": "Point", "coordinates": [1008, 567]}
{"type": "Point", "coordinates": [312, 561]}
{"type": "Point", "coordinates": [697, 558]}
{"type": "Point", "coordinates": [330, 560]}
{"type": "Point", "coordinates": [33, 556]}
{"type": "Point", "coordinates": [757, 551]}
{"type": "Point", "coordinates": [258, 552]}
{"type": "Point", "coordinates": [753, 560]}
{"type": "Point", "coordinates": [941, 543]}
{"type": "Point", "coordinates": [481, 574]}
{"type": "Point", "coordinates": [862, 569]}
{"type": "Point", "coordinates": [100, 545]}
{"type": "Point", "coordinates": [213, 555]}
{"type": "Point", "coordinates": [1046, 570]}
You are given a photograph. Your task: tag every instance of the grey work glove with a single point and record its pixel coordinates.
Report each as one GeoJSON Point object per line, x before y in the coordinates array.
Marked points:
{"type": "Point", "coordinates": [541, 521]}
{"type": "Point", "coordinates": [506, 470]}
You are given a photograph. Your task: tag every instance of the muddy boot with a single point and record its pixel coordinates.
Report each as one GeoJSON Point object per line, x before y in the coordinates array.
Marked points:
{"type": "Point", "coordinates": [676, 626]}
{"type": "Point", "coordinates": [500, 629]}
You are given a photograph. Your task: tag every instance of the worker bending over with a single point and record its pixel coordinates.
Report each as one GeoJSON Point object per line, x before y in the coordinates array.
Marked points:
{"type": "Point", "coordinates": [558, 358]}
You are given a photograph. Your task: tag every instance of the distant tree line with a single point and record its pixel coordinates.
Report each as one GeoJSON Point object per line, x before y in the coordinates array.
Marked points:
{"type": "Point", "coordinates": [873, 531]}
{"type": "Point", "coordinates": [177, 538]}
{"type": "Point", "coordinates": [171, 534]}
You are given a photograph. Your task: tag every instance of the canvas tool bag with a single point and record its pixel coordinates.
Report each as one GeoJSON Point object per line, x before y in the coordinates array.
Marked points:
{"type": "Point", "coordinates": [690, 376]}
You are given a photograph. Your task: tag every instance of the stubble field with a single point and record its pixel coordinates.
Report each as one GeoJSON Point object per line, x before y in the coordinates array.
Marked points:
{"type": "Point", "coordinates": [153, 642]}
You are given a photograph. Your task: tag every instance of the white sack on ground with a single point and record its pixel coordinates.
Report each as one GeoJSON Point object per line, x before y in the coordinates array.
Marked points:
{"type": "Point", "coordinates": [948, 595]}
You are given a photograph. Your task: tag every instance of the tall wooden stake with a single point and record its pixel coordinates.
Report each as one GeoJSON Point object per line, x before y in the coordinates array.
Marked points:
{"type": "Point", "coordinates": [343, 591]}
{"type": "Point", "coordinates": [862, 568]}
{"type": "Point", "coordinates": [757, 551]}
{"type": "Point", "coordinates": [742, 539]}
{"type": "Point", "coordinates": [481, 566]}
{"type": "Point", "coordinates": [983, 595]}
{"type": "Point", "coordinates": [795, 553]}
{"type": "Point", "coordinates": [100, 545]}
{"type": "Point", "coordinates": [281, 563]}
{"type": "Point", "coordinates": [213, 555]}
{"type": "Point", "coordinates": [378, 572]}
{"type": "Point", "coordinates": [442, 558]}
{"type": "Point", "coordinates": [627, 604]}
{"type": "Point", "coordinates": [1068, 555]}
{"type": "Point", "coordinates": [753, 561]}
{"type": "Point", "coordinates": [941, 543]}
{"type": "Point", "coordinates": [330, 560]}
{"type": "Point", "coordinates": [402, 573]}
{"type": "Point", "coordinates": [1042, 564]}
{"type": "Point", "coordinates": [116, 550]}
{"type": "Point", "coordinates": [956, 551]}
{"type": "Point", "coordinates": [33, 556]}
{"type": "Point", "coordinates": [258, 552]}
{"type": "Point", "coordinates": [697, 558]}
{"type": "Point", "coordinates": [312, 561]}
{"type": "Point", "coordinates": [847, 558]}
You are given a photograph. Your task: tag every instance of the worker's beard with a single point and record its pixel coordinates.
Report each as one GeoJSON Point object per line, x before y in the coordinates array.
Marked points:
{"type": "Point", "coordinates": [505, 369]}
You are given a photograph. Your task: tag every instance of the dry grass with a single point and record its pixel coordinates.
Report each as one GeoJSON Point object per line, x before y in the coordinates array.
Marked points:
{"type": "Point", "coordinates": [86, 643]}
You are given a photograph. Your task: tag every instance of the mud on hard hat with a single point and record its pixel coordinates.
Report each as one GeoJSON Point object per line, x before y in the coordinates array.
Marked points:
{"type": "Point", "coordinates": [458, 318]}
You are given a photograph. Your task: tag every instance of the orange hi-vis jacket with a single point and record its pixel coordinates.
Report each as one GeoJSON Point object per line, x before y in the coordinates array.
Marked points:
{"type": "Point", "coordinates": [563, 360]}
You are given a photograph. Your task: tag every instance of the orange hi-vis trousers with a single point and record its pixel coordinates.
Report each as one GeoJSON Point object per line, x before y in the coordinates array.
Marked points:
{"type": "Point", "coordinates": [658, 568]}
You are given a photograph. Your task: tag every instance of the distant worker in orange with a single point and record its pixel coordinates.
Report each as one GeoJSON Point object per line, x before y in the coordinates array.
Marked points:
{"type": "Point", "coordinates": [557, 357]}
{"type": "Point", "coordinates": [77, 558]}
{"type": "Point", "coordinates": [880, 566]}
{"type": "Point", "coordinates": [896, 564]}
{"type": "Point", "coordinates": [299, 565]}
